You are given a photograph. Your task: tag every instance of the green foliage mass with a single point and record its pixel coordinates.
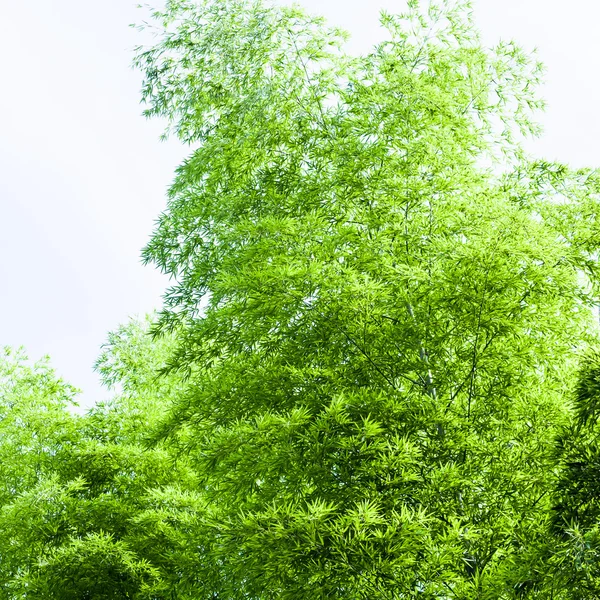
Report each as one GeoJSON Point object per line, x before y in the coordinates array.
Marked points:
{"type": "Point", "coordinates": [81, 514]}
{"type": "Point", "coordinates": [359, 385]}
{"type": "Point", "coordinates": [380, 299]}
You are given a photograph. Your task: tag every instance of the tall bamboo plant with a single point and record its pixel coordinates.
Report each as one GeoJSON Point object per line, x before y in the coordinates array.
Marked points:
{"type": "Point", "coordinates": [379, 299]}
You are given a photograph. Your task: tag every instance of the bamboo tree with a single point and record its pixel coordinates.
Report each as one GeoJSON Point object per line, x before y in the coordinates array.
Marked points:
{"type": "Point", "coordinates": [379, 299]}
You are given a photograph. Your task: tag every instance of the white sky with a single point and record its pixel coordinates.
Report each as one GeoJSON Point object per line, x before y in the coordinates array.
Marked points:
{"type": "Point", "coordinates": [83, 175]}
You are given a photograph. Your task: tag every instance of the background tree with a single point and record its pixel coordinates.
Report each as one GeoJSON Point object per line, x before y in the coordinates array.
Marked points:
{"type": "Point", "coordinates": [35, 424]}
{"type": "Point", "coordinates": [88, 512]}
{"type": "Point", "coordinates": [571, 553]}
{"type": "Point", "coordinates": [379, 300]}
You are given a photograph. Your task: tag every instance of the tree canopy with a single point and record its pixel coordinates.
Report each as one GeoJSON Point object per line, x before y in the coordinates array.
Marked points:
{"type": "Point", "coordinates": [374, 373]}
{"type": "Point", "coordinates": [380, 299]}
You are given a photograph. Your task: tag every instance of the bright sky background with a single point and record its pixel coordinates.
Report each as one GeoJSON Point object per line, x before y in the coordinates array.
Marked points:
{"type": "Point", "coordinates": [83, 175]}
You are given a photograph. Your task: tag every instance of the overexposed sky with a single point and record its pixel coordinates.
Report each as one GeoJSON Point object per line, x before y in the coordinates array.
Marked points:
{"type": "Point", "coordinates": [83, 175]}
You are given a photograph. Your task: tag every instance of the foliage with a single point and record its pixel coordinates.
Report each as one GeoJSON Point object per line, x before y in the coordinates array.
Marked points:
{"type": "Point", "coordinates": [35, 424]}
{"type": "Point", "coordinates": [575, 518]}
{"type": "Point", "coordinates": [358, 385]}
{"type": "Point", "coordinates": [379, 301]}
{"type": "Point", "coordinates": [74, 529]}
{"type": "Point", "coordinates": [30, 397]}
